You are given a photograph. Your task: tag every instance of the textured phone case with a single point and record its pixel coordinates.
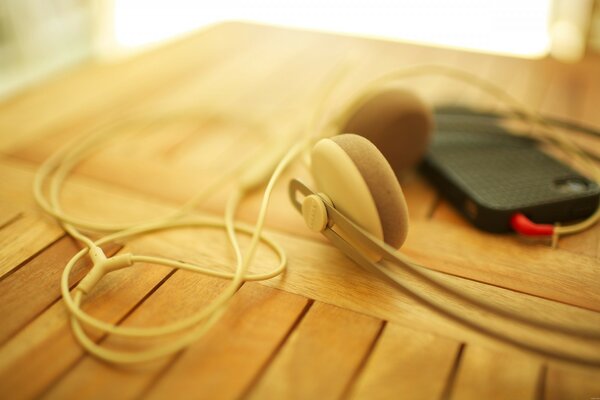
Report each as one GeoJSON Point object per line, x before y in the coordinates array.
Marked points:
{"type": "Point", "coordinates": [489, 174]}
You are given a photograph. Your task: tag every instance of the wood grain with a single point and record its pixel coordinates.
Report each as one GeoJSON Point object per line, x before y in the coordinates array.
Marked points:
{"type": "Point", "coordinates": [571, 383]}
{"type": "Point", "coordinates": [308, 277]}
{"type": "Point", "coordinates": [320, 357]}
{"type": "Point", "coordinates": [587, 242]}
{"type": "Point", "coordinates": [499, 260]}
{"type": "Point", "coordinates": [561, 284]}
{"type": "Point", "coordinates": [136, 79]}
{"type": "Point", "coordinates": [485, 374]}
{"type": "Point", "coordinates": [181, 295]}
{"type": "Point", "coordinates": [45, 348]}
{"type": "Point", "coordinates": [38, 281]}
{"type": "Point", "coordinates": [317, 330]}
{"type": "Point", "coordinates": [28, 232]}
{"type": "Point", "coordinates": [573, 95]}
{"type": "Point", "coordinates": [406, 364]}
{"type": "Point", "coordinates": [8, 213]}
{"type": "Point", "coordinates": [25, 237]}
{"type": "Point", "coordinates": [235, 352]}
{"type": "Point", "coordinates": [324, 275]}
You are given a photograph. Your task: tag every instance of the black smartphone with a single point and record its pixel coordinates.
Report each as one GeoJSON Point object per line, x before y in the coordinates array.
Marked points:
{"type": "Point", "coordinates": [489, 174]}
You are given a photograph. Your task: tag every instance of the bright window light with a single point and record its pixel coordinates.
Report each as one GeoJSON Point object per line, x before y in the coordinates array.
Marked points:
{"type": "Point", "coordinates": [513, 27]}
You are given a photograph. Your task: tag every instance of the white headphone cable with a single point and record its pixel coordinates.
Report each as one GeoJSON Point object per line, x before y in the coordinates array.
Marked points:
{"type": "Point", "coordinates": [58, 167]}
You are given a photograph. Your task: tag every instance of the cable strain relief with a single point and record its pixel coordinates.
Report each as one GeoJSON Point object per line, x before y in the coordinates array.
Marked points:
{"type": "Point", "coordinates": [91, 279]}
{"type": "Point", "coordinates": [523, 225]}
{"type": "Point", "coordinates": [117, 262]}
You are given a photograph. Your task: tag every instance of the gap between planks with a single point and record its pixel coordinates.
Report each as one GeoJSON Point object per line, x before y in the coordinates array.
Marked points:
{"type": "Point", "coordinates": [301, 292]}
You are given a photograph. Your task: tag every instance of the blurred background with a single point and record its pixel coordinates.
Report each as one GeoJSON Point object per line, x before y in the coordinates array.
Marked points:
{"type": "Point", "coordinates": [39, 38]}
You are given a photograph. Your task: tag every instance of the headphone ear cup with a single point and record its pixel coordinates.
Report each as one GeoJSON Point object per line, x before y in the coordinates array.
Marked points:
{"type": "Point", "coordinates": [383, 185]}
{"type": "Point", "coordinates": [354, 174]}
{"type": "Point", "coordinates": [398, 123]}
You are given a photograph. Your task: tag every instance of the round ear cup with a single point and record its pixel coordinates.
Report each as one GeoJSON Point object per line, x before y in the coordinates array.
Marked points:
{"type": "Point", "coordinates": [398, 123]}
{"type": "Point", "coordinates": [356, 177]}
{"type": "Point", "coordinates": [383, 185]}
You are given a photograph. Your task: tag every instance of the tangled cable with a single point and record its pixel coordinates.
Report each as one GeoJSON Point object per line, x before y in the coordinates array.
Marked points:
{"type": "Point", "coordinates": [267, 166]}
{"type": "Point", "coordinates": [59, 166]}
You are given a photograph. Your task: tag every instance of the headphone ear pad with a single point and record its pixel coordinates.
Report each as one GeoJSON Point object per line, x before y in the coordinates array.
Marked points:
{"type": "Point", "coordinates": [398, 123]}
{"type": "Point", "coordinates": [382, 183]}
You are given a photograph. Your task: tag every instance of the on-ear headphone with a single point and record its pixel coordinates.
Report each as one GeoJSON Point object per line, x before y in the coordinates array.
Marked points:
{"type": "Point", "coordinates": [357, 203]}
{"type": "Point", "coordinates": [400, 125]}
{"type": "Point", "coordinates": [356, 177]}
{"type": "Point", "coordinates": [359, 171]}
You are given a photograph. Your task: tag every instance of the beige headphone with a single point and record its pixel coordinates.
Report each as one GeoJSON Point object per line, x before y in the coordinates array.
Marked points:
{"type": "Point", "coordinates": [357, 203]}
{"type": "Point", "coordinates": [356, 176]}
{"type": "Point", "coordinates": [359, 206]}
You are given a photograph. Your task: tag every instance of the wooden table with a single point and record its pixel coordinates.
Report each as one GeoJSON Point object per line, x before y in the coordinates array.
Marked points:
{"type": "Point", "coordinates": [326, 329]}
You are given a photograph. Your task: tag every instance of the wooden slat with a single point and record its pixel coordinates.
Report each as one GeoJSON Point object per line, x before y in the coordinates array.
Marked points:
{"type": "Point", "coordinates": [87, 199]}
{"type": "Point", "coordinates": [173, 183]}
{"type": "Point", "coordinates": [113, 203]}
{"type": "Point", "coordinates": [8, 214]}
{"type": "Point", "coordinates": [326, 276]}
{"type": "Point", "coordinates": [406, 364]}
{"type": "Point", "coordinates": [273, 75]}
{"type": "Point", "coordinates": [26, 231]}
{"type": "Point", "coordinates": [38, 281]}
{"type": "Point", "coordinates": [587, 242]}
{"type": "Point", "coordinates": [23, 238]}
{"type": "Point", "coordinates": [217, 86]}
{"type": "Point", "coordinates": [589, 113]}
{"type": "Point", "coordinates": [564, 97]}
{"type": "Point", "coordinates": [306, 276]}
{"type": "Point", "coordinates": [525, 80]}
{"type": "Point", "coordinates": [573, 94]}
{"type": "Point", "coordinates": [485, 374]}
{"type": "Point", "coordinates": [502, 247]}
{"type": "Point", "coordinates": [264, 89]}
{"type": "Point", "coordinates": [470, 95]}
{"type": "Point", "coordinates": [83, 96]}
{"type": "Point", "coordinates": [344, 284]}
{"type": "Point", "coordinates": [168, 182]}
{"type": "Point", "coordinates": [224, 364]}
{"type": "Point", "coordinates": [180, 296]}
{"type": "Point", "coordinates": [564, 383]}
{"type": "Point", "coordinates": [320, 357]}
{"type": "Point", "coordinates": [45, 348]}
{"type": "Point", "coordinates": [507, 262]}
{"type": "Point", "coordinates": [279, 219]}
{"type": "Point", "coordinates": [32, 232]}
